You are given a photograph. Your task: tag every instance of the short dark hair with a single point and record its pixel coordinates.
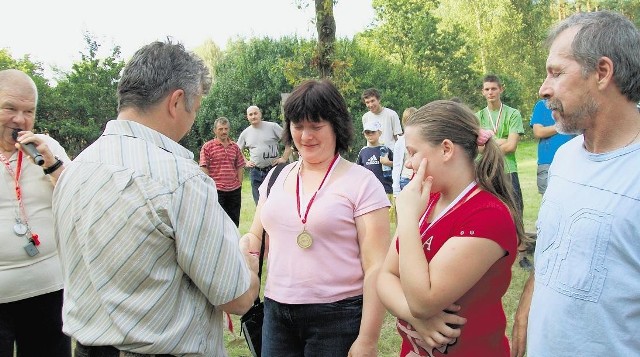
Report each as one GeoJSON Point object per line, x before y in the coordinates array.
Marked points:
{"type": "Point", "coordinates": [491, 78]}
{"type": "Point", "coordinates": [316, 100]}
{"type": "Point", "coordinates": [371, 92]}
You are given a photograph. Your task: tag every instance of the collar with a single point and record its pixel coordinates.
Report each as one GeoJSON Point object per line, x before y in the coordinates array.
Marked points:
{"type": "Point", "coordinates": [134, 129]}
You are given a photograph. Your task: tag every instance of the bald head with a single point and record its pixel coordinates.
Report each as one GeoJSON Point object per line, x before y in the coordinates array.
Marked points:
{"type": "Point", "coordinates": [16, 80]}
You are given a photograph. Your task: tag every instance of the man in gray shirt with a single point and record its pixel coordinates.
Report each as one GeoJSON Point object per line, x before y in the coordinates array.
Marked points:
{"type": "Point", "coordinates": [261, 138]}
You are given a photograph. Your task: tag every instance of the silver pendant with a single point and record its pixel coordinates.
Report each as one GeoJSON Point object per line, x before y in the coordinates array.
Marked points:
{"type": "Point", "coordinates": [20, 229]}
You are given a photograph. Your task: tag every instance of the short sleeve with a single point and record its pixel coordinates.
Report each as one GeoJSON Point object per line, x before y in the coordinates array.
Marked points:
{"type": "Point", "coordinates": [371, 195]}
{"type": "Point", "coordinates": [490, 221]}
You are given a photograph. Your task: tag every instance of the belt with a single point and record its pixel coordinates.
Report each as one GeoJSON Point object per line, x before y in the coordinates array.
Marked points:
{"type": "Point", "coordinates": [109, 351]}
{"type": "Point", "coordinates": [263, 169]}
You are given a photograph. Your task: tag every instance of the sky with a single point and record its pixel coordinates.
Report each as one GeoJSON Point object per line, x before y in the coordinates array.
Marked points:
{"type": "Point", "coordinates": [52, 31]}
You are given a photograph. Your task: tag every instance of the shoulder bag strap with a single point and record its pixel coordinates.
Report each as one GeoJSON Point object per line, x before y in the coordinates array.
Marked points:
{"type": "Point", "coordinates": [272, 179]}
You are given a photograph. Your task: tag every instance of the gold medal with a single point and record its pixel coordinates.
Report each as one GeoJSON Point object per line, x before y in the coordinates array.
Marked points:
{"type": "Point", "coordinates": [304, 240]}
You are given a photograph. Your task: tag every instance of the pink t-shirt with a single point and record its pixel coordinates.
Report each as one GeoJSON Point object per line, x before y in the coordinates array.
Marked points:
{"type": "Point", "coordinates": [330, 270]}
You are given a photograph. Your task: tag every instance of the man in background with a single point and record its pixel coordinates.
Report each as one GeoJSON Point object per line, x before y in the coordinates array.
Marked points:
{"type": "Point", "coordinates": [150, 260]}
{"type": "Point", "coordinates": [388, 119]}
{"type": "Point", "coordinates": [506, 124]}
{"type": "Point", "coordinates": [262, 138]}
{"type": "Point", "coordinates": [222, 160]}
{"type": "Point", "coordinates": [544, 129]}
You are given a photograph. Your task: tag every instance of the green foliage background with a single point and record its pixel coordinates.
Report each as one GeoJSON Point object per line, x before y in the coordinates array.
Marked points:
{"type": "Point", "coordinates": [414, 52]}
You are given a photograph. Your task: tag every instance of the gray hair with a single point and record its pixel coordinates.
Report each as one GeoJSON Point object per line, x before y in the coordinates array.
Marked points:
{"type": "Point", "coordinates": [159, 68]}
{"type": "Point", "coordinates": [605, 34]}
{"type": "Point", "coordinates": [222, 121]}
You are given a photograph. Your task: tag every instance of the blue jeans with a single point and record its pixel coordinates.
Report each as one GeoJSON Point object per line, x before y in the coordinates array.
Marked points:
{"type": "Point", "coordinates": [310, 330]}
{"type": "Point", "coordinates": [257, 175]}
{"type": "Point", "coordinates": [404, 181]}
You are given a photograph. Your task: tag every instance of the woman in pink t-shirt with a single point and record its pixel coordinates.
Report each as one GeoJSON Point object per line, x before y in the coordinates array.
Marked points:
{"type": "Point", "coordinates": [328, 228]}
{"type": "Point", "coordinates": [450, 264]}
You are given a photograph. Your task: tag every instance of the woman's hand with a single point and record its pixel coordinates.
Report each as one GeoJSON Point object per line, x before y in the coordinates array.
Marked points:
{"type": "Point", "coordinates": [412, 200]}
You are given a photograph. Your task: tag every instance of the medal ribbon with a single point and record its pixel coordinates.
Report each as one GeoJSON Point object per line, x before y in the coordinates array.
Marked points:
{"type": "Point", "coordinates": [16, 179]}
{"type": "Point", "coordinates": [497, 122]}
{"type": "Point", "coordinates": [298, 179]}
{"type": "Point", "coordinates": [457, 202]}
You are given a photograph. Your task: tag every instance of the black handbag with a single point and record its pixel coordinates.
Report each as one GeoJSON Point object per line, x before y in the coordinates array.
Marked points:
{"type": "Point", "coordinates": [251, 321]}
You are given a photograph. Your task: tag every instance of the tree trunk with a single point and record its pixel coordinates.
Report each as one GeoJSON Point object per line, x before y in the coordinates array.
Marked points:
{"type": "Point", "coordinates": [326, 27]}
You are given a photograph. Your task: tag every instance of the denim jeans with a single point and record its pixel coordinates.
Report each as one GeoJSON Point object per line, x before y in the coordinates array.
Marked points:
{"type": "Point", "coordinates": [404, 181]}
{"type": "Point", "coordinates": [310, 330]}
{"type": "Point", "coordinates": [257, 175]}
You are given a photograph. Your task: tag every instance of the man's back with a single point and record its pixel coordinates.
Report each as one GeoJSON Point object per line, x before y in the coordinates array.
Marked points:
{"type": "Point", "coordinates": [146, 256]}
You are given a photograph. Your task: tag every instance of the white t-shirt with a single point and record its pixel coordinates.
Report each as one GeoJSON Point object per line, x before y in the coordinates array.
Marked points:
{"type": "Point", "coordinates": [22, 276]}
{"type": "Point", "coordinates": [390, 123]}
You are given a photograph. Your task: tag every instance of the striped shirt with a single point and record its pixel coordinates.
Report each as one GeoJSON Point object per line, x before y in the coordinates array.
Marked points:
{"type": "Point", "coordinates": [147, 252]}
{"type": "Point", "coordinates": [223, 163]}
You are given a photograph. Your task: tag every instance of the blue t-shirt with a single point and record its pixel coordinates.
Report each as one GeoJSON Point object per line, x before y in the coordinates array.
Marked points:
{"type": "Point", "coordinates": [547, 147]}
{"type": "Point", "coordinates": [585, 301]}
{"type": "Point", "coordinates": [369, 157]}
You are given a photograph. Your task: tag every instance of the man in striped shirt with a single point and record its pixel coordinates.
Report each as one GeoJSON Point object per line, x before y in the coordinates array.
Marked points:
{"type": "Point", "coordinates": [149, 258]}
{"type": "Point", "coordinates": [223, 161]}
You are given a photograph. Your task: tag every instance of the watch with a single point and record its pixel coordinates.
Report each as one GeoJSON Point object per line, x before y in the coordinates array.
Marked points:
{"type": "Point", "coordinates": [53, 167]}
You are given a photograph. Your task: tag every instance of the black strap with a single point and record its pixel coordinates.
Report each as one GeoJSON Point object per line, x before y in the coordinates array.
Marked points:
{"type": "Point", "coordinates": [272, 179]}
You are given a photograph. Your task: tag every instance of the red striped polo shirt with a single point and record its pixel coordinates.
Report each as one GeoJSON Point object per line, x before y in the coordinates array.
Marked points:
{"type": "Point", "coordinates": [222, 163]}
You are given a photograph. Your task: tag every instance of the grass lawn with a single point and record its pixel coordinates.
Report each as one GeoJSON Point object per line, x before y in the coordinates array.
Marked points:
{"type": "Point", "coordinates": [390, 341]}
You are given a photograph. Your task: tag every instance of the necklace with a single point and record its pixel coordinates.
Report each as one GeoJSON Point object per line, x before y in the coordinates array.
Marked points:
{"type": "Point", "coordinates": [632, 140]}
{"type": "Point", "coordinates": [21, 227]}
{"type": "Point", "coordinates": [305, 239]}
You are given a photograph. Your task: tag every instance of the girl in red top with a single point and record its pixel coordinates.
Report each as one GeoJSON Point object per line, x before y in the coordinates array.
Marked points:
{"type": "Point", "coordinates": [456, 239]}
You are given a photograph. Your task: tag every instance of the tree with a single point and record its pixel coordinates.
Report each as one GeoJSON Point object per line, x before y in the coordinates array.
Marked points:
{"type": "Point", "coordinates": [210, 54]}
{"type": "Point", "coordinates": [85, 98]}
{"type": "Point", "coordinates": [326, 28]}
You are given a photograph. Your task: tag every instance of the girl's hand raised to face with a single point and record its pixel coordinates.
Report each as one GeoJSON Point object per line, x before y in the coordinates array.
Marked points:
{"type": "Point", "coordinates": [412, 200]}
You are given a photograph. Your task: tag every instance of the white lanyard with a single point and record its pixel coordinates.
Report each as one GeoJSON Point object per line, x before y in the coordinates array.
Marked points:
{"type": "Point", "coordinates": [497, 122]}
{"type": "Point", "coordinates": [453, 203]}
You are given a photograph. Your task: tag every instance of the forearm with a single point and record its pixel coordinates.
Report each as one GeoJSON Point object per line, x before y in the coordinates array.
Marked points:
{"type": "Point", "coordinates": [287, 153]}
{"type": "Point", "coordinates": [414, 272]}
{"type": "Point", "coordinates": [243, 303]}
{"type": "Point", "coordinates": [372, 310]}
{"type": "Point", "coordinates": [392, 296]}
{"type": "Point", "coordinates": [542, 132]}
{"type": "Point", "coordinates": [240, 174]}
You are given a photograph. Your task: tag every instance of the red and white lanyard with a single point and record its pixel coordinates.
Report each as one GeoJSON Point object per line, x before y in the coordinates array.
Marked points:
{"type": "Point", "coordinates": [16, 179]}
{"type": "Point", "coordinates": [497, 121]}
{"type": "Point", "coordinates": [333, 164]}
{"type": "Point", "coordinates": [457, 202]}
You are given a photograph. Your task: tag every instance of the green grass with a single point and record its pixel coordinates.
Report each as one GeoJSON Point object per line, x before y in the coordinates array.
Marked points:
{"type": "Point", "coordinates": [389, 344]}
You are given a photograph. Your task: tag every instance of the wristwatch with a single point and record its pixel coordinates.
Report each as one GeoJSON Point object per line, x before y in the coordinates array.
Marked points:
{"type": "Point", "coordinates": [53, 167]}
